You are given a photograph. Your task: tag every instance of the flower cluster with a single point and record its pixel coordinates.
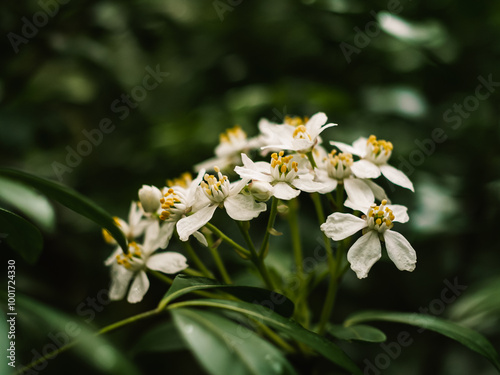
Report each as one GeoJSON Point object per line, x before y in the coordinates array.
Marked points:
{"type": "Point", "coordinates": [298, 163]}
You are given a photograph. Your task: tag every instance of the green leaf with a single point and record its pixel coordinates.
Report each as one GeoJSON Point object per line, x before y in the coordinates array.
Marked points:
{"type": "Point", "coordinates": [287, 326]}
{"type": "Point", "coordinates": [225, 347]}
{"type": "Point", "coordinates": [468, 337]}
{"type": "Point", "coordinates": [62, 329]}
{"type": "Point", "coordinates": [161, 338]}
{"type": "Point", "coordinates": [21, 235]}
{"type": "Point", "coordinates": [35, 206]}
{"type": "Point", "coordinates": [358, 332]}
{"type": "Point", "coordinates": [186, 284]}
{"type": "Point", "coordinates": [72, 200]}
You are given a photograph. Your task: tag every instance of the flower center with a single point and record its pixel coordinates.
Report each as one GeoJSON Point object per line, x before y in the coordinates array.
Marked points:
{"type": "Point", "coordinates": [380, 218]}
{"type": "Point", "coordinates": [216, 189]}
{"type": "Point", "coordinates": [183, 181]}
{"type": "Point", "coordinates": [283, 168]}
{"type": "Point", "coordinates": [296, 120]}
{"type": "Point", "coordinates": [338, 166]}
{"type": "Point", "coordinates": [132, 261]}
{"type": "Point", "coordinates": [378, 151]}
{"type": "Point", "coordinates": [174, 206]}
{"type": "Point", "coordinates": [234, 135]}
{"type": "Point", "coordinates": [301, 133]}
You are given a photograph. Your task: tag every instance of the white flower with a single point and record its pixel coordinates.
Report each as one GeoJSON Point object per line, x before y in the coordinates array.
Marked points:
{"type": "Point", "coordinates": [296, 135]}
{"type": "Point", "coordinates": [218, 192]}
{"type": "Point", "coordinates": [374, 155]}
{"type": "Point", "coordinates": [376, 226]}
{"type": "Point", "coordinates": [132, 267]}
{"type": "Point", "coordinates": [150, 198]}
{"type": "Point", "coordinates": [132, 229]}
{"type": "Point", "coordinates": [281, 175]}
{"type": "Point", "coordinates": [179, 200]}
{"type": "Point", "coordinates": [335, 169]}
{"type": "Point", "coordinates": [232, 143]}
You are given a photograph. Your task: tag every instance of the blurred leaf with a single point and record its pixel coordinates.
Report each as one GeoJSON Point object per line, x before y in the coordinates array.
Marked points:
{"type": "Point", "coordinates": [95, 350]}
{"type": "Point", "coordinates": [186, 284]}
{"type": "Point", "coordinates": [472, 339]}
{"type": "Point", "coordinates": [72, 200]}
{"type": "Point", "coordinates": [4, 347]}
{"type": "Point", "coordinates": [225, 347]}
{"type": "Point", "coordinates": [358, 332]}
{"type": "Point", "coordinates": [21, 235]}
{"type": "Point", "coordinates": [287, 326]}
{"type": "Point", "coordinates": [162, 338]}
{"type": "Point", "coordinates": [33, 205]}
{"type": "Point", "coordinates": [479, 308]}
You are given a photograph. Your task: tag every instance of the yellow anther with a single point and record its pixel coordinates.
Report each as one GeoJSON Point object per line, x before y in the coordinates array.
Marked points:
{"type": "Point", "coordinates": [282, 153]}
{"type": "Point", "coordinates": [216, 169]}
{"type": "Point", "coordinates": [388, 223]}
{"type": "Point", "coordinates": [384, 202]}
{"type": "Point", "coordinates": [274, 155]}
{"type": "Point", "coordinates": [283, 168]}
{"type": "Point", "coordinates": [378, 221]}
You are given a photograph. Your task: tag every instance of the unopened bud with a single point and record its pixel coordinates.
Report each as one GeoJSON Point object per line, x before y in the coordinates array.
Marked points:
{"type": "Point", "coordinates": [150, 198]}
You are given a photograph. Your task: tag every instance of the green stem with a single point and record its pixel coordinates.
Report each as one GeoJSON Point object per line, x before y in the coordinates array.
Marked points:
{"type": "Point", "coordinates": [102, 331]}
{"type": "Point", "coordinates": [293, 223]}
{"type": "Point", "coordinates": [255, 258]}
{"type": "Point", "coordinates": [197, 261]}
{"type": "Point", "coordinates": [160, 276]}
{"type": "Point", "coordinates": [334, 267]}
{"type": "Point", "coordinates": [224, 237]}
{"type": "Point", "coordinates": [311, 159]}
{"type": "Point", "coordinates": [218, 261]}
{"type": "Point", "coordinates": [270, 224]}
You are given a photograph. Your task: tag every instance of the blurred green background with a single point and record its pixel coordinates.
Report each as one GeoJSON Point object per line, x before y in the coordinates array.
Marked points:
{"type": "Point", "coordinates": [405, 71]}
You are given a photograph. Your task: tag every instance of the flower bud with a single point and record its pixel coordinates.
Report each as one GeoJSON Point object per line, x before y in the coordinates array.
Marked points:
{"type": "Point", "coordinates": [150, 198]}
{"type": "Point", "coordinates": [261, 191]}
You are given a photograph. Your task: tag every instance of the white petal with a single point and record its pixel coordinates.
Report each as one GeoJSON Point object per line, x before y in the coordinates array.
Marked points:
{"type": "Point", "coordinates": [243, 207]}
{"type": "Point", "coordinates": [400, 212]}
{"type": "Point", "coordinates": [169, 262]}
{"type": "Point", "coordinates": [112, 258]}
{"type": "Point", "coordinates": [120, 278]}
{"type": "Point", "coordinates": [139, 287]}
{"type": "Point", "coordinates": [151, 237]}
{"type": "Point", "coordinates": [365, 169]}
{"type": "Point", "coordinates": [314, 124]}
{"type": "Point", "coordinates": [134, 214]}
{"type": "Point", "coordinates": [344, 147]}
{"type": "Point", "coordinates": [339, 226]}
{"type": "Point", "coordinates": [190, 224]}
{"type": "Point", "coordinates": [400, 251]}
{"type": "Point", "coordinates": [253, 174]}
{"type": "Point", "coordinates": [377, 190]}
{"type": "Point", "coordinates": [358, 191]}
{"type": "Point", "coordinates": [308, 185]}
{"type": "Point", "coordinates": [363, 207]}
{"type": "Point", "coordinates": [360, 146]}
{"type": "Point", "coordinates": [166, 232]}
{"type": "Point", "coordinates": [192, 187]}
{"type": "Point", "coordinates": [201, 238]}
{"type": "Point", "coordinates": [364, 253]}
{"type": "Point", "coordinates": [329, 185]}
{"type": "Point", "coordinates": [236, 187]}
{"type": "Point", "coordinates": [396, 176]}
{"type": "Point", "coordinates": [284, 191]}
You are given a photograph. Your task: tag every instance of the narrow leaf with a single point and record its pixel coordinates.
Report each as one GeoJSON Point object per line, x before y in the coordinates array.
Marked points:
{"type": "Point", "coordinates": [20, 235]}
{"type": "Point", "coordinates": [35, 206]}
{"type": "Point", "coordinates": [287, 326]}
{"type": "Point", "coordinates": [72, 200]}
{"type": "Point", "coordinates": [225, 347]}
{"type": "Point", "coordinates": [186, 284]}
{"type": "Point", "coordinates": [161, 338]}
{"type": "Point", "coordinates": [468, 337]}
{"type": "Point", "coordinates": [358, 332]}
